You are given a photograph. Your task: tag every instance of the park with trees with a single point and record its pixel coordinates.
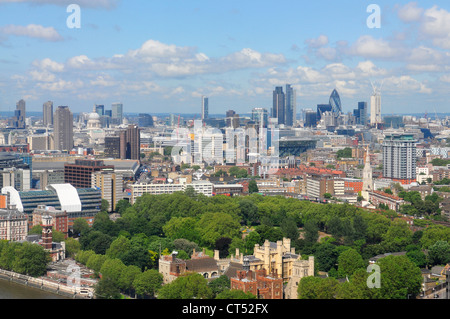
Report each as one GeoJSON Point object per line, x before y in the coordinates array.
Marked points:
{"type": "Point", "coordinates": [342, 238]}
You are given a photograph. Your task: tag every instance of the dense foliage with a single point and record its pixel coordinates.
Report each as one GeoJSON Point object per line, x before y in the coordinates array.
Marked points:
{"type": "Point", "coordinates": [341, 237]}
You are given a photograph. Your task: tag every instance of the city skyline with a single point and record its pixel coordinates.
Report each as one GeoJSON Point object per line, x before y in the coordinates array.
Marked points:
{"type": "Point", "coordinates": [154, 56]}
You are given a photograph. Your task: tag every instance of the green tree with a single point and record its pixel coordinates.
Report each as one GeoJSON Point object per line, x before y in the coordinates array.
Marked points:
{"type": "Point", "coordinates": [122, 205]}
{"type": "Point", "coordinates": [317, 288]}
{"type": "Point", "coordinates": [311, 232]}
{"type": "Point", "coordinates": [235, 294]}
{"type": "Point", "coordinates": [212, 226]}
{"type": "Point", "coordinates": [399, 278]}
{"type": "Point", "coordinates": [80, 225]}
{"type": "Point", "coordinates": [31, 260]}
{"type": "Point", "coordinates": [182, 227]}
{"type": "Point", "coordinates": [439, 253]}
{"type": "Point", "coordinates": [104, 205]}
{"type": "Point", "coordinates": [118, 247]}
{"type": "Point", "coordinates": [73, 246]}
{"type": "Point", "coordinates": [349, 261]}
{"type": "Point", "coordinates": [252, 187]}
{"type": "Point", "coordinates": [356, 287]}
{"type": "Point", "coordinates": [219, 285]}
{"type": "Point", "coordinates": [107, 289]}
{"type": "Point", "coordinates": [113, 269]}
{"type": "Point", "coordinates": [95, 262]}
{"type": "Point", "coordinates": [148, 282]}
{"type": "Point", "coordinates": [248, 212]}
{"type": "Point", "coordinates": [188, 286]}
{"type": "Point", "coordinates": [398, 236]}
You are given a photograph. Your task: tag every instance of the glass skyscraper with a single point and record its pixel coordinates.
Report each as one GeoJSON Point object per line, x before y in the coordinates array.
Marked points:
{"type": "Point", "coordinates": [290, 112]}
{"type": "Point", "coordinates": [204, 108]}
{"type": "Point", "coordinates": [335, 102]}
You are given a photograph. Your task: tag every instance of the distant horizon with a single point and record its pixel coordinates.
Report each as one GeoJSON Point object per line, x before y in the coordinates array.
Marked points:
{"type": "Point", "coordinates": [165, 55]}
{"type": "Point", "coordinates": [213, 115]}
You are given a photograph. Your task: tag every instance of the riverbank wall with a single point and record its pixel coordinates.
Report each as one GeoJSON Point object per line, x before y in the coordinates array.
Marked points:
{"type": "Point", "coordinates": [48, 285]}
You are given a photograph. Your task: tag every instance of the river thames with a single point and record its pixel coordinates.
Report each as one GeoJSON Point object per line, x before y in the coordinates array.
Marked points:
{"type": "Point", "coordinates": [11, 290]}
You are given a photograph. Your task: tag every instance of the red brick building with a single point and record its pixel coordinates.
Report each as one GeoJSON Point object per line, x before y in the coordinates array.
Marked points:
{"type": "Point", "coordinates": [258, 283]}
{"type": "Point", "coordinates": [60, 218]}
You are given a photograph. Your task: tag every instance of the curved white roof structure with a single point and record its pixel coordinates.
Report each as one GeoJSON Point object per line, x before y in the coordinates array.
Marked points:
{"type": "Point", "coordinates": [14, 197]}
{"type": "Point", "coordinates": [68, 197]}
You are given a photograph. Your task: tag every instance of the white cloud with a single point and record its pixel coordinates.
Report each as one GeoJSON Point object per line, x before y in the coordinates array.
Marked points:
{"type": "Point", "coordinates": [436, 24]}
{"type": "Point", "coordinates": [410, 12]}
{"type": "Point", "coordinates": [368, 47]}
{"type": "Point", "coordinates": [318, 42]}
{"type": "Point", "coordinates": [32, 31]}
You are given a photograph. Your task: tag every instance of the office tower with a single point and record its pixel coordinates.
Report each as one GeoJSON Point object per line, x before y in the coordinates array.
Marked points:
{"type": "Point", "coordinates": [375, 107]}
{"type": "Point", "coordinates": [79, 174]}
{"type": "Point", "coordinates": [322, 108]}
{"type": "Point", "coordinates": [47, 111]}
{"type": "Point", "coordinates": [63, 128]}
{"type": "Point", "coordinates": [310, 118]}
{"type": "Point", "coordinates": [100, 109]}
{"type": "Point", "coordinates": [112, 146]}
{"type": "Point", "coordinates": [279, 105]}
{"type": "Point", "coordinates": [260, 116]}
{"type": "Point", "coordinates": [145, 120]}
{"type": "Point", "coordinates": [335, 102]}
{"type": "Point", "coordinates": [205, 108]}
{"type": "Point", "coordinates": [117, 113]}
{"type": "Point", "coordinates": [111, 185]}
{"type": "Point", "coordinates": [399, 157]}
{"type": "Point", "coordinates": [20, 114]}
{"type": "Point", "coordinates": [361, 113]}
{"type": "Point", "coordinates": [133, 142]}
{"type": "Point", "coordinates": [291, 110]}
{"type": "Point", "coordinates": [232, 119]}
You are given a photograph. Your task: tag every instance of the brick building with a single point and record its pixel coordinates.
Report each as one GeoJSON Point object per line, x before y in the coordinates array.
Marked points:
{"type": "Point", "coordinates": [259, 283]}
{"type": "Point", "coordinates": [60, 218]}
{"type": "Point", "coordinates": [393, 202]}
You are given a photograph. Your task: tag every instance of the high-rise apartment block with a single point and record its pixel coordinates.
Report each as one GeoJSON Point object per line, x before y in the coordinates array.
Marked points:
{"type": "Point", "coordinates": [399, 157]}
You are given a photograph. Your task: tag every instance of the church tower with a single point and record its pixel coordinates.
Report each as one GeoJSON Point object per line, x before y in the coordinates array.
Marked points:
{"type": "Point", "coordinates": [47, 234]}
{"type": "Point", "coordinates": [367, 177]}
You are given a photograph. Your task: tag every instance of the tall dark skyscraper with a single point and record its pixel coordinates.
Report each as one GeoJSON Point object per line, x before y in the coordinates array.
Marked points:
{"type": "Point", "coordinates": [279, 105]}
{"type": "Point", "coordinates": [361, 113]}
{"type": "Point", "coordinates": [291, 111]}
{"type": "Point", "coordinates": [133, 142]}
{"type": "Point", "coordinates": [63, 128]}
{"type": "Point", "coordinates": [47, 113]}
{"type": "Point", "coordinates": [20, 115]}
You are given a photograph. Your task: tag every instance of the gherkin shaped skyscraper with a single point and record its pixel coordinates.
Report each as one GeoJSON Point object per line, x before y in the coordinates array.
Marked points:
{"type": "Point", "coordinates": [335, 102]}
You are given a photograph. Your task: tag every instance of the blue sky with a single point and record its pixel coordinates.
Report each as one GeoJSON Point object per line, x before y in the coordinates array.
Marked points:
{"type": "Point", "coordinates": [161, 56]}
